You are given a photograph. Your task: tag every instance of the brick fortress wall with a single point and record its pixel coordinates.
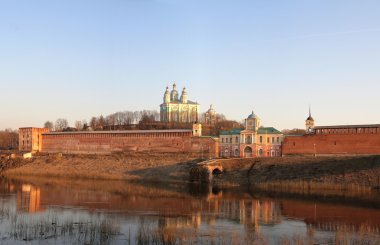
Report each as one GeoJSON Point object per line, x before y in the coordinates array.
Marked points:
{"type": "Point", "coordinates": [333, 143]}
{"type": "Point", "coordinates": [128, 141]}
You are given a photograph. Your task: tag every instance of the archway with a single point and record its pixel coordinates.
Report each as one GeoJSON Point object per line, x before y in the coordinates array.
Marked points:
{"type": "Point", "coordinates": [248, 152]}
{"type": "Point", "coordinates": [261, 152]}
{"type": "Point", "coordinates": [216, 172]}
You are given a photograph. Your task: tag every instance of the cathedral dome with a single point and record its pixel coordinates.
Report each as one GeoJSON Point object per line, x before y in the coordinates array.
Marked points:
{"type": "Point", "coordinates": [184, 96]}
{"type": "Point", "coordinates": [167, 95]}
{"type": "Point", "coordinates": [174, 93]}
{"type": "Point", "coordinates": [211, 109]}
{"type": "Point", "coordinates": [253, 115]}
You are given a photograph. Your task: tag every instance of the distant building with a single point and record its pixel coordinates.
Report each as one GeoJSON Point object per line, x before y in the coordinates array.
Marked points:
{"type": "Point", "coordinates": [180, 110]}
{"type": "Point", "coordinates": [253, 141]}
{"type": "Point", "coordinates": [210, 116]}
{"type": "Point", "coordinates": [30, 139]}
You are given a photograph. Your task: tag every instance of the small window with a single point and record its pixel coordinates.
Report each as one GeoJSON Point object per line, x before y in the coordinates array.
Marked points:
{"type": "Point", "coordinates": [294, 143]}
{"type": "Point", "coordinates": [230, 140]}
{"type": "Point", "coordinates": [261, 139]}
{"type": "Point", "coordinates": [222, 140]}
{"type": "Point", "coordinates": [268, 140]}
{"type": "Point", "coordinates": [272, 139]}
{"type": "Point", "coordinates": [278, 139]}
{"type": "Point", "coordinates": [237, 139]}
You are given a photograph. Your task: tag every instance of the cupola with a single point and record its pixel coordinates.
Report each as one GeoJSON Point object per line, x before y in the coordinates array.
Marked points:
{"type": "Point", "coordinates": [174, 93]}
{"type": "Point", "coordinates": [184, 96]}
{"type": "Point", "coordinates": [167, 96]}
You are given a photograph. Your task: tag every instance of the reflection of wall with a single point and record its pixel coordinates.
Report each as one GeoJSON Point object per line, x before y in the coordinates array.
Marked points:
{"type": "Point", "coordinates": [28, 199]}
{"type": "Point", "coordinates": [326, 216]}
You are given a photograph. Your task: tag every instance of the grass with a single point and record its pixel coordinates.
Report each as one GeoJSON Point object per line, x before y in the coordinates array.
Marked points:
{"type": "Point", "coordinates": [22, 227]}
{"type": "Point", "coordinates": [126, 166]}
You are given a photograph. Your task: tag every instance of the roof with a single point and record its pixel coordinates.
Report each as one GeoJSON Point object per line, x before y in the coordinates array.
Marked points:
{"type": "Point", "coordinates": [123, 132]}
{"type": "Point", "coordinates": [349, 126]}
{"type": "Point", "coordinates": [268, 130]}
{"type": "Point", "coordinates": [180, 102]}
{"type": "Point", "coordinates": [231, 132]}
{"type": "Point", "coordinates": [253, 115]}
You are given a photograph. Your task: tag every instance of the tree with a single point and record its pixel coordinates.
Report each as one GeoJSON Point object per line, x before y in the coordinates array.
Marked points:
{"type": "Point", "coordinates": [61, 124]}
{"type": "Point", "coordinates": [294, 131]}
{"type": "Point", "coordinates": [49, 125]}
{"type": "Point", "coordinates": [79, 125]}
{"type": "Point", "coordinates": [8, 139]}
{"type": "Point", "coordinates": [94, 123]}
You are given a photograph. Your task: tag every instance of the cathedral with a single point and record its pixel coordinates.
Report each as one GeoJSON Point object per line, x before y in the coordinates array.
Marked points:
{"type": "Point", "coordinates": [178, 109]}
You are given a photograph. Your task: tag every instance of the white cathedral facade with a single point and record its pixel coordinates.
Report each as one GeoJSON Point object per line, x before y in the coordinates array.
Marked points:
{"type": "Point", "coordinates": [178, 109]}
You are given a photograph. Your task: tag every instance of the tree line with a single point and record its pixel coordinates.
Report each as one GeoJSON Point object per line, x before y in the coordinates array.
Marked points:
{"type": "Point", "coordinates": [115, 121]}
{"type": "Point", "coordinates": [142, 120]}
{"type": "Point", "coordinates": [8, 139]}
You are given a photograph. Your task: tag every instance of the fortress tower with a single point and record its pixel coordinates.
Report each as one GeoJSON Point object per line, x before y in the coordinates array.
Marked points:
{"type": "Point", "coordinates": [309, 123]}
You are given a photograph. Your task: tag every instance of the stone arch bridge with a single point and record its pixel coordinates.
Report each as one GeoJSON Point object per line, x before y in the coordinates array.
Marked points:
{"type": "Point", "coordinates": [205, 171]}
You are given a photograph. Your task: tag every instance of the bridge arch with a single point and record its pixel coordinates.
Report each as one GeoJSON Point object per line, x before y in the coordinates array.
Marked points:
{"type": "Point", "coordinates": [216, 172]}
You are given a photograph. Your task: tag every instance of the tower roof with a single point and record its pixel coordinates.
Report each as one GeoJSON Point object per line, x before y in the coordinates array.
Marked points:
{"type": "Point", "coordinates": [253, 115]}
{"type": "Point", "coordinates": [309, 118]}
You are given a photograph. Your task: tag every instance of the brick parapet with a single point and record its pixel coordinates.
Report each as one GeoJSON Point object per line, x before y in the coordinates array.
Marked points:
{"type": "Point", "coordinates": [333, 144]}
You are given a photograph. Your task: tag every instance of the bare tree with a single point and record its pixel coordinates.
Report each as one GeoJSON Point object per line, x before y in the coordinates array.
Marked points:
{"type": "Point", "coordinates": [8, 139]}
{"type": "Point", "coordinates": [49, 125]}
{"type": "Point", "coordinates": [79, 125]}
{"type": "Point", "coordinates": [61, 124]}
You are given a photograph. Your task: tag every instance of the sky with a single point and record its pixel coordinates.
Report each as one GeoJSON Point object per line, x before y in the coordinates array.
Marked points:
{"type": "Point", "coordinates": [77, 59]}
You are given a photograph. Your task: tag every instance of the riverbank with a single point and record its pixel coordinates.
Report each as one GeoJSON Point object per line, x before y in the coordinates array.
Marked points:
{"type": "Point", "coordinates": [134, 166]}
{"type": "Point", "coordinates": [302, 173]}
{"type": "Point", "coordinates": [297, 173]}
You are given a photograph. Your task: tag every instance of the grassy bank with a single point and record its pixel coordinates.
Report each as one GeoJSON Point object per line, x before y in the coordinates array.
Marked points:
{"type": "Point", "coordinates": [155, 167]}
{"type": "Point", "coordinates": [303, 174]}
{"type": "Point", "coordinates": [300, 174]}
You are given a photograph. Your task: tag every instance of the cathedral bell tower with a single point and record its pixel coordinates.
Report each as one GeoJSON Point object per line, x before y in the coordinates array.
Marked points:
{"type": "Point", "coordinates": [309, 123]}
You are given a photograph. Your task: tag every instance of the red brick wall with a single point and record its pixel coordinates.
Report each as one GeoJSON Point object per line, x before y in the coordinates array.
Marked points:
{"type": "Point", "coordinates": [103, 143]}
{"type": "Point", "coordinates": [332, 144]}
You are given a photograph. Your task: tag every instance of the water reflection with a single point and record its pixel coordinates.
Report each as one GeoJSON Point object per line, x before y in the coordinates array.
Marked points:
{"type": "Point", "coordinates": [77, 212]}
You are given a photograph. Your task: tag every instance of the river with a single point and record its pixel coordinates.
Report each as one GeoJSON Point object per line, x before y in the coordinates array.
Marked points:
{"type": "Point", "coordinates": [70, 211]}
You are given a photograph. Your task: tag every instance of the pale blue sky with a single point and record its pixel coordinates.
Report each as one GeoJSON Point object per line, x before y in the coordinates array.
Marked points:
{"type": "Point", "coordinates": [75, 59]}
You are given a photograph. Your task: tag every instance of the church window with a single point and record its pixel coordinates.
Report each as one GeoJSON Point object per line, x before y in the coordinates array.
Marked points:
{"type": "Point", "coordinates": [248, 140]}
